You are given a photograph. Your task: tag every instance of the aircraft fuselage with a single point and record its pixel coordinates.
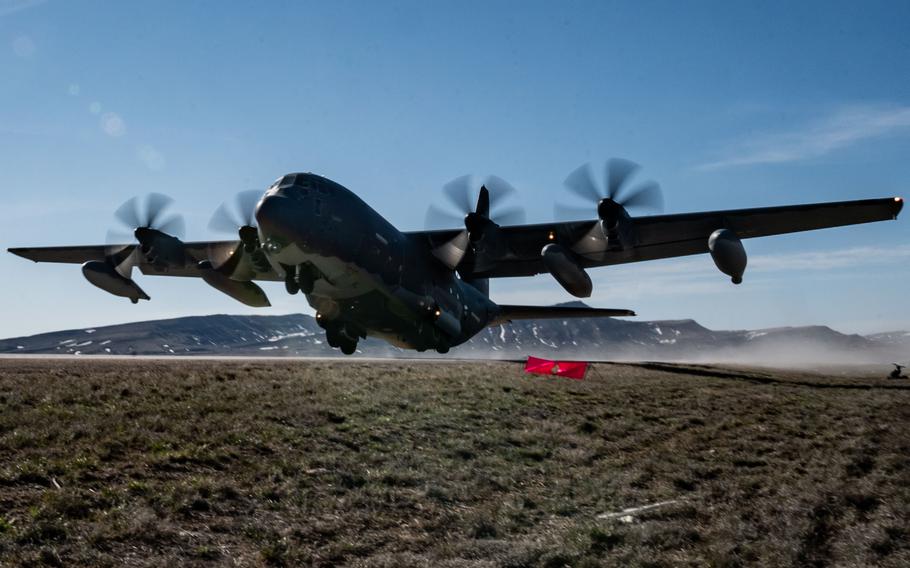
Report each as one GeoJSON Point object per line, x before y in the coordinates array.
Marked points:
{"type": "Point", "coordinates": [361, 274]}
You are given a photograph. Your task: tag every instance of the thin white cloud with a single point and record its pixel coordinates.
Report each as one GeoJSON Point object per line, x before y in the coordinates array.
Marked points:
{"type": "Point", "coordinates": [840, 129]}
{"type": "Point", "coordinates": [10, 6]}
{"type": "Point", "coordinates": [856, 257]}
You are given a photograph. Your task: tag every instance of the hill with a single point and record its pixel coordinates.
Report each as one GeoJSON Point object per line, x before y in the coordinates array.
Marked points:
{"type": "Point", "coordinates": [598, 339]}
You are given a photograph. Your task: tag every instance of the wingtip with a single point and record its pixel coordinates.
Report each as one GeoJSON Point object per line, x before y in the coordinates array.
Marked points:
{"type": "Point", "coordinates": [898, 205]}
{"type": "Point", "coordinates": [20, 252]}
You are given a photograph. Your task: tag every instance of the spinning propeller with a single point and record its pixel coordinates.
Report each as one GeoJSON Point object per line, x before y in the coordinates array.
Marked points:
{"type": "Point", "coordinates": [613, 200]}
{"type": "Point", "coordinates": [239, 218]}
{"type": "Point", "coordinates": [480, 220]}
{"type": "Point", "coordinates": [460, 194]}
{"type": "Point", "coordinates": [142, 218]}
{"type": "Point", "coordinates": [158, 236]}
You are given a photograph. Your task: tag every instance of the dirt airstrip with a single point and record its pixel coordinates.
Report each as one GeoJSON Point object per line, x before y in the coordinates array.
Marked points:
{"type": "Point", "coordinates": [367, 463]}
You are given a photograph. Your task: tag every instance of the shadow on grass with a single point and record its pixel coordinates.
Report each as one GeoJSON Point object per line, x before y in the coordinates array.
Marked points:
{"type": "Point", "coordinates": [758, 379]}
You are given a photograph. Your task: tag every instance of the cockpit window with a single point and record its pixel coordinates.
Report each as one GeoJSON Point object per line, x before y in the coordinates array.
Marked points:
{"type": "Point", "coordinates": [287, 181]}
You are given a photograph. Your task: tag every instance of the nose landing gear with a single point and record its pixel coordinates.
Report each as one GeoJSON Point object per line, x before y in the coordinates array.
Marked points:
{"type": "Point", "coordinates": [290, 282]}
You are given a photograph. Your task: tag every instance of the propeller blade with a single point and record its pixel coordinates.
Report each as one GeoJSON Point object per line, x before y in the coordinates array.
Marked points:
{"type": "Point", "coordinates": [510, 216]}
{"type": "Point", "coordinates": [618, 171]}
{"type": "Point", "coordinates": [581, 183]}
{"type": "Point", "coordinates": [458, 191]}
{"type": "Point", "coordinates": [499, 189]}
{"type": "Point", "coordinates": [562, 211]}
{"type": "Point", "coordinates": [123, 258]}
{"type": "Point", "coordinates": [118, 243]}
{"type": "Point", "coordinates": [174, 226]}
{"type": "Point", "coordinates": [246, 205]}
{"type": "Point", "coordinates": [483, 202]}
{"type": "Point", "coordinates": [224, 220]}
{"type": "Point", "coordinates": [219, 254]}
{"type": "Point", "coordinates": [452, 252]}
{"type": "Point", "coordinates": [647, 195]}
{"type": "Point", "coordinates": [156, 203]}
{"type": "Point", "coordinates": [440, 219]}
{"type": "Point", "coordinates": [128, 213]}
{"type": "Point", "coordinates": [125, 265]}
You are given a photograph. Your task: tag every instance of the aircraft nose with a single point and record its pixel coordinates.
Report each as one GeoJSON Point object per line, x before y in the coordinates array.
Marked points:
{"type": "Point", "coordinates": [279, 220]}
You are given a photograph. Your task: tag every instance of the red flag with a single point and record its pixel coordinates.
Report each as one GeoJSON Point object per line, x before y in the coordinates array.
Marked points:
{"type": "Point", "coordinates": [570, 369]}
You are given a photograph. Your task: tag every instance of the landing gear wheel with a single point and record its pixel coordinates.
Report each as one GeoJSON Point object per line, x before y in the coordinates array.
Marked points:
{"type": "Point", "coordinates": [333, 337]}
{"type": "Point", "coordinates": [349, 347]}
{"type": "Point", "coordinates": [290, 279]}
{"type": "Point", "coordinates": [304, 277]}
{"type": "Point", "coordinates": [291, 286]}
{"type": "Point", "coordinates": [442, 348]}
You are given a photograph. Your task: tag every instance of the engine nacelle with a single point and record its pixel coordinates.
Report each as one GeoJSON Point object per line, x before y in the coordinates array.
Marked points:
{"type": "Point", "coordinates": [728, 254]}
{"type": "Point", "coordinates": [161, 250]}
{"type": "Point", "coordinates": [245, 292]}
{"type": "Point", "coordinates": [616, 225]}
{"type": "Point", "coordinates": [105, 276]}
{"type": "Point", "coordinates": [566, 270]}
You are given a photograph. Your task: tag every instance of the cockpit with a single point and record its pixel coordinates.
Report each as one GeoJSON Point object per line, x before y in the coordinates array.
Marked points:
{"type": "Point", "coordinates": [306, 183]}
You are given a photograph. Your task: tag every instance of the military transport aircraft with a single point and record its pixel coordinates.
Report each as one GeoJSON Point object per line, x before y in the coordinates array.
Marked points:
{"type": "Point", "coordinates": [429, 289]}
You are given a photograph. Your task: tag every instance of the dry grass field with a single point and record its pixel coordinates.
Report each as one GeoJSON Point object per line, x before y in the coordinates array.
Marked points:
{"type": "Point", "coordinates": [321, 463]}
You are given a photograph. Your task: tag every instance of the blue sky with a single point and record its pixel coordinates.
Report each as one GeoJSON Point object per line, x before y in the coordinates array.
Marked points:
{"type": "Point", "coordinates": [726, 104]}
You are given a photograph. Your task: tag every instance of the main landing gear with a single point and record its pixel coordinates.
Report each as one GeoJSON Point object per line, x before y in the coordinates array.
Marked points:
{"type": "Point", "coordinates": [300, 278]}
{"type": "Point", "coordinates": [340, 335]}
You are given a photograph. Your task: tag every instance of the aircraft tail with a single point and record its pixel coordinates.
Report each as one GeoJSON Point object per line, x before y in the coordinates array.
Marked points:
{"type": "Point", "coordinates": [509, 313]}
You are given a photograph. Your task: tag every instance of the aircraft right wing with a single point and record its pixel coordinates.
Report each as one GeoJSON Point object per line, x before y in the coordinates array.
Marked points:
{"type": "Point", "coordinates": [195, 251]}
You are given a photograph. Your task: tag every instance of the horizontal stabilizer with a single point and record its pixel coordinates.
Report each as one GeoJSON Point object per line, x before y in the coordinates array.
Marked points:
{"type": "Point", "coordinates": [510, 313]}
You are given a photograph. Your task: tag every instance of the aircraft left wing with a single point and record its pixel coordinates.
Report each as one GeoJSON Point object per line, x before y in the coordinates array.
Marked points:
{"type": "Point", "coordinates": [655, 237]}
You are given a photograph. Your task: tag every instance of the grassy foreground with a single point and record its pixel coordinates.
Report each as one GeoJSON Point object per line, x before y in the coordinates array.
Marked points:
{"type": "Point", "coordinates": [257, 463]}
